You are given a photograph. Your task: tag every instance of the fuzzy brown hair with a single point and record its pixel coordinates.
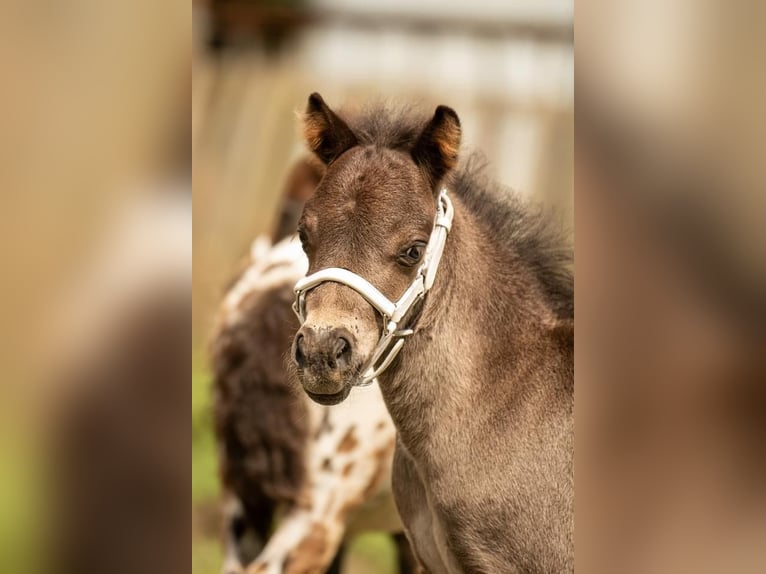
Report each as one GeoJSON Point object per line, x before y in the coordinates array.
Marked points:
{"type": "Point", "coordinates": [259, 420]}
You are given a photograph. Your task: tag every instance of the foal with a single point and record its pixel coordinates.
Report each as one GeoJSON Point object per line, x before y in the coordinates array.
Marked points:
{"type": "Point", "coordinates": [481, 390]}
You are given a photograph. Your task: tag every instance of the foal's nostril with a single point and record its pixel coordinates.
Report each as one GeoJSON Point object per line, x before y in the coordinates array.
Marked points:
{"type": "Point", "coordinates": [300, 356]}
{"type": "Point", "coordinates": [342, 347]}
{"type": "Point", "coordinates": [339, 354]}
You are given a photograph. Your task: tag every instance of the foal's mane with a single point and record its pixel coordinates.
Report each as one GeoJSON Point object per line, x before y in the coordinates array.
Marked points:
{"type": "Point", "coordinates": [524, 230]}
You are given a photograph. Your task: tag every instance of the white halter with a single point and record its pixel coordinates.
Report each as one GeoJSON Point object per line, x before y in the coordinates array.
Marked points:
{"type": "Point", "coordinates": [392, 338]}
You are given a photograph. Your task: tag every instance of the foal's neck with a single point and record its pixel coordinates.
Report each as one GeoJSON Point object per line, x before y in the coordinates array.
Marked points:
{"type": "Point", "coordinates": [480, 304]}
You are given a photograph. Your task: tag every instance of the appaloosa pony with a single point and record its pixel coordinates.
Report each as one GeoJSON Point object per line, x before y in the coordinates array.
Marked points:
{"type": "Point", "coordinates": [459, 299]}
{"type": "Point", "coordinates": [320, 474]}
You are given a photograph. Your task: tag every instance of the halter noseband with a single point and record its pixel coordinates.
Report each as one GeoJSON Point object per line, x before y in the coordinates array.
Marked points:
{"type": "Point", "coordinates": [392, 338]}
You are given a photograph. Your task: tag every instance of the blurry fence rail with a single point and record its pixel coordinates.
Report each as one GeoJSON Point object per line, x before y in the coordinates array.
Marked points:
{"type": "Point", "coordinates": [541, 21]}
{"type": "Point", "coordinates": [510, 81]}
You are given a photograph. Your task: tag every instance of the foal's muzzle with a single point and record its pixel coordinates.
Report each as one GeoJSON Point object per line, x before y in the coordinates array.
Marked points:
{"type": "Point", "coordinates": [393, 312]}
{"type": "Point", "coordinates": [323, 349]}
{"type": "Point", "coordinates": [327, 361]}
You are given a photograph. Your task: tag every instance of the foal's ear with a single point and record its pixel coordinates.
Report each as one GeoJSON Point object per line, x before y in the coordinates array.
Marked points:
{"type": "Point", "coordinates": [437, 147]}
{"type": "Point", "coordinates": [325, 133]}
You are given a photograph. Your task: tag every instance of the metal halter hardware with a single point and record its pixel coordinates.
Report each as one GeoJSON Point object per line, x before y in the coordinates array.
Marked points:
{"type": "Point", "coordinates": [392, 337]}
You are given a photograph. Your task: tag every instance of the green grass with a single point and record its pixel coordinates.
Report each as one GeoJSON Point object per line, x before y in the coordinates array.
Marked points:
{"type": "Point", "coordinates": [206, 550]}
{"type": "Point", "coordinates": [371, 554]}
{"type": "Point", "coordinates": [206, 555]}
{"type": "Point", "coordinates": [21, 491]}
{"type": "Point", "coordinates": [205, 484]}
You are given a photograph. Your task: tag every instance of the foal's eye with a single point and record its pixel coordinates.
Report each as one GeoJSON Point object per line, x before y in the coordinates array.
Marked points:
{"type": "Point", "coordinates": [302, 236]}
{"type": "Point", "coordinates": [413, 254]}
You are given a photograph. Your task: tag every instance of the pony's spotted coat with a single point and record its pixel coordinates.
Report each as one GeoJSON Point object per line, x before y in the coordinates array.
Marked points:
{"type": "Point", "coordinates": [341, 477]}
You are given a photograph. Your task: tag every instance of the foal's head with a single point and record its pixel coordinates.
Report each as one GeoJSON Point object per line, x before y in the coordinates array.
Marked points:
{"type": "Point", "coordinates": [371, 214]}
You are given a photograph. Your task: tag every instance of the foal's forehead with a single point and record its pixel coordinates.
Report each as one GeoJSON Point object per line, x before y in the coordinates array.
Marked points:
{"type": "Point", "coordinates": [373, 178]}
{"type": "Point", "coordinates": [363, 171]}
{"type": "Point", "coordinates": [371, 192]}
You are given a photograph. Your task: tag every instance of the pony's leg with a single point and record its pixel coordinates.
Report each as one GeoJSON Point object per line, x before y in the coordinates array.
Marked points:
{"type": "Point", "coordinates": [303, 543]}
{"type": "Point", "coordinates": [234, 527]}
{"type": "Point", "coordinates": [337, 562]}
{"type": "Point", "coordinates": [260, 520]}
{"type": "Point", "coordinates": [245, 533]}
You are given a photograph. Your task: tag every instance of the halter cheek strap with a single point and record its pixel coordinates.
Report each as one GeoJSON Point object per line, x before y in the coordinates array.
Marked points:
{"type": "Point", "coordinates": [392, 338]}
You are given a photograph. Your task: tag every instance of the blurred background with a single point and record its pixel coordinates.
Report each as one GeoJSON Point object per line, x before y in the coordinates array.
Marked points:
{"type": "Point", "coordinates": [505, 67]}
{"type": "Point", "coordinates": [95, 277]}
{"type": "Point", "coordinates": [671, 286]}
